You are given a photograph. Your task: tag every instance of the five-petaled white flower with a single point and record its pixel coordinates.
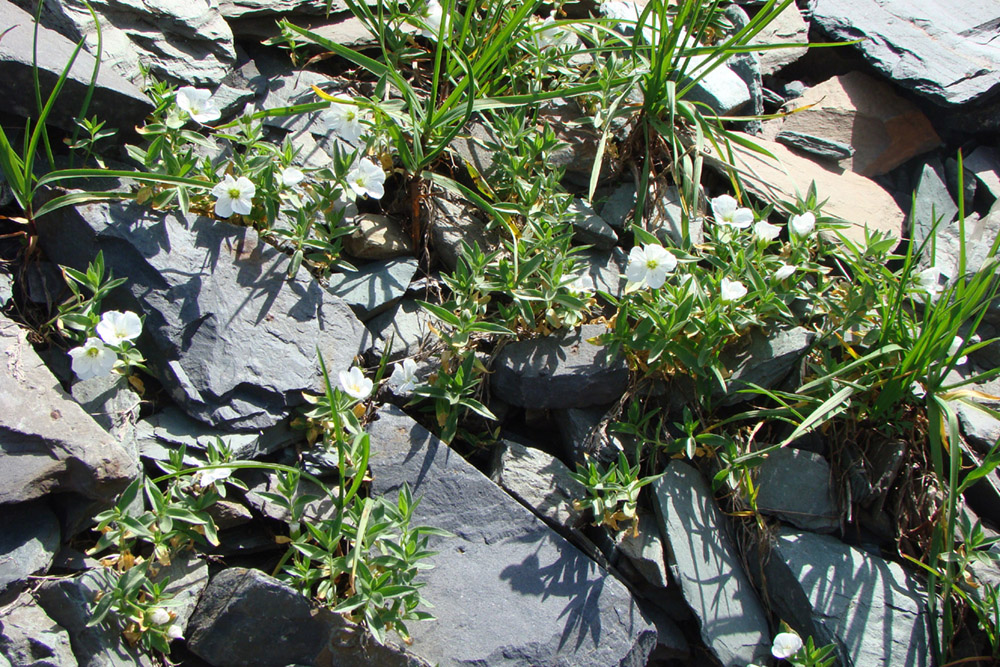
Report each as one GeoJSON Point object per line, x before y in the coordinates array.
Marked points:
{"type": "Point", "coordinates": [728, 212]}
{"type": "Point", "coordinates": [928, 281]}
{"type": "Point", "coordinates": [802, 224]}
{"type": "Point", "coordinates": [765, 231]}
{"type": "Point", "coordinates": [404, 376]}
{"type": "Point", "coordinates": [784, 271]}
{"type": "Point", "coordinates": [366, 178]}
{"type": "Point", "coordinates": [732, 290]}
{"type": "Point", "coordinates": [650, 264]}
{"type": "Point", "coordinates": [355, 384]}
{"type": "Point", "coordinates": [433, 17]}
{"type": "Point", "coordinates": [214, 475]}
{"type": "Point", "coordinates": [345, 120]}
{"type": "Point", "coordinates": [174, 632]}
{"type": "Point", "coordinates": [197, 104]}
{"type": "Point", "coordinates": [117, 327]}
{"type": "Point", "coordinates": [234, 196]}
{"type": "Point", "coordinates": [954, 348]}
{"type": "Point", "coordinates": [291, 176]}
{"type": "Point", "coordinates": [158, 616]}
{"type": "Point", "coordinates": [92, 359]}
{"type": "Point", "coordinates": [785, 645]}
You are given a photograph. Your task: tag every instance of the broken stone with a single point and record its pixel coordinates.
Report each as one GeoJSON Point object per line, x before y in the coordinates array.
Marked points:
{"type": "Point", "coordinates": [794, 485]}
{"type": "Point", "coordinates": [375, 287]}
{"type": "Point", "coordinates": [377, 237]}
{"type": "Point", "coordinates": [789, 27]}
{"type": "Point", "coordinates": [29, 638]}
{"type": "Point", "coordinates": [822, 148]}
{"type": "Point", "coordinates": [451, 225]}
{"type": "Point", "coordinates": [645, 551]}
{"type": "Point", "coordinates": [407, 326]}
{"type": "Point", "coordinates": [589, 228]}
{"type": "Point", "coordinates": [932, 201]}
{"type": "Point", "coordinates": [29, 538]}
{"type": "Point", "coordinates": [540, 481]}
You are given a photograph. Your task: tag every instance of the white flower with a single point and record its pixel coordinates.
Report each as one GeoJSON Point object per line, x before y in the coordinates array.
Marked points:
{"type": "Point", "coordinates": [158, 616]}
{"type": "Point", "coordinates": [765, 231]}
{"type": "Point", "coordinates": [291, 176]}
{"type": "Point", "coordinates": [432, 16]}
{"type": "Point", "coordinates": [928, 281]}
{"type": "Point", "coordinates": [650, 264]}
{"type": "Point", "coordinates": [345, 120]}
{"type": "Point", "coordinates": [366, 178]}
{"type": "Point", "coordinates": [234, 196]}
{"type": "Point", "coordinates": [954, 348]}
{"type": "Point", "coordinates": [214, 475]}
{"type": "Point", "coordinates": [174, 632]}
{"type": "Point", "coordinates": [355, 384]}
{"type": "Point", "coordinates": [627, 14]}
{"type": "Point", "coordinates": [550, 35]}
{"type": "Point", "coordinates": [117, 327]}
{"type": "Point", "coordinates": [732, 290]}
{"type": "Point", "coordinates": [92, 359]}
{"type": "Point", "coordinates": [784, 271]}
{"type": "Point", "coordinates": [802, 224]}
{"type": "Point", "coordinates": [197, 104]}
{"type": "Point", "coordinates": [786, 644]}
{"type": "Point", "coordinates": [727, 212]}
{"type": "Point", "coordinates": [404, 376]}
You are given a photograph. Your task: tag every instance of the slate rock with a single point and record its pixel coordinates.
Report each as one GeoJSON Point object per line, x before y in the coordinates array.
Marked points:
{"type": "Point", "coordinates": [617, 208]}
{"type": "Point", "coordinates": [789, 27]}
{"type": "Point", "coordinates": [117, 101]}
{"type": "Point", "coordinates": [237, 9]}
{"type": "Point", "coordinates": [794, 485]}
{"type": "Point", "coordinates": [979, 236]}
{"type": "Point", "coordinates": [947, 52]}
{"type": "Point", "coordinates": [375, 287]}
{"type": "Point", "coordinates": [880, 129]}
{"type": "Point", "coordinates": [48, 443]}
{"type": "Point", "coordinates": [451, 225]}
{"type": "Point", "coordinates": [319, 508]}
{"type": "Point", "coordinates": [506, 589]}
{"type": "Point", "coordinates": [932, 201]}
{"type": "Point", "coordinates": [187, 42]}
{"type": "Point", "coordinates": [220, 309]}
{"type": "Point", "coordinates": [822, 148]}
{"type": "Point", "coordinates": [29, 638]}
{"type": "Point", "coordinates": [69, 602]}
{"type": "Point", "coordinates": [781, 179]}
{"type": "Point", "coordinates": [559, 371]}
{"type": "Point", "coordinates": [289, 89]}
{"type": "Point", "coordinates": [580, 438]}
{"type": "Point", "coordinates": [601, 270]}
{"type": "Point", "coordinates": [871, 608]}
{"type": "Point", "coordinates": [666, 220]}
{"type": "Point", "coordinates": [589, 228]}
{"type": "Point", "coordinates": [645, 551]}
{"type": "Point", "coordinates": [984, 162]}
{"type": "Point", "coordinates": [246, 617]}
{"type": "Point", "coordinates": [722, 89]}
{"type": "Point", "coordinates": [407, 326]}
{"type": "Point", "coordinates": [764, 359]}
{"type": "Point", "coordinates": [377, 237]}
{"type": "Point", "coordinates": [6, 288]}
{"type": "Point", "coordinates": [29, 539]}
{"type": "Point", "coordinates": [540, 481]}
{"type": "Point", "coordinates": [981, 430]}
{"type": "Point", "coordinates": [708, 569]}
{"type": "Point", "coordinates": [113, 404]}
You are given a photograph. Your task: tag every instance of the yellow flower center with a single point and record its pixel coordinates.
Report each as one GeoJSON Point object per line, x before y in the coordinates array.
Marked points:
{"type": "Point", "coordinates": [652, 263]}
{"type": "Point", "coordinates": [234, 193]}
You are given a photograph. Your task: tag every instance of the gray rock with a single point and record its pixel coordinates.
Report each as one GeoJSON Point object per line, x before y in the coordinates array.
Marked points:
{"type": "Point", "coordinates": [110, 400]}
{"type": "Point", "coordinates": [747, 67]}
{"type": "Point", "coordinates": [68, 602]}
{"type": "Point", "coordinates": [933, 201]}
{"type": "Point", "coordinates": [788, 28]}
{"type": "Point", "coordinates": [645, 551]}
{"type": "Point", "coordinates": [451, 225]}
{"type": "Point", "coordinates": [984, 162]}
{"type": "Point", "coordinates": [589, 228]}
{"type": "Point", "coordinates": [44, 284]}
{"type": "Point", "coordinates": [969, 182]}
{"type": "Point", "coordinates": [666, 220]}
{"type": "Point", "coordinates": [818, 146]}
{"type": "Point", "coordinates": [231, 100]}
{"type": "Point", "coordinates": [375, 287]}
{"type": "Point", "coordinates": [248, 618]}
{"type": "Point", "coordinates": [946, 52]}
{"type": "Point", "coordinates": [540, 481]}
{"type": "Point", "coordinates": [581, 440]}
{"type": "Point", "coordinates": [377, 237]}
{"type": "Point", "coordinates": [187, 42]}
{"type": "Point", "coordinates": [722, 89]}
{"type": "Point", "coordinates": [871, 608]}
{"type": "Point", "coordinates": [561, 371]}
{"type": "Point", "coordinates": [290, 89]}
{"type": "Point", "coordinates": [319, 507]}
{"type": "Point", "coordinates": [765, 360]}
{"type": "Point", "coordinates": [6, 288]}
{"type": "Point", "coordinates": [601, 270]}
{"type": "Point", "coordinates": [617, 208]}
{"type": "Point", "coordinates": [794, 485]}
{"type": "Point", "coordinates": [47, 442]}
{"type": "Point", "coordinates": [188, 577]}
{"type": "Point", "coordinates": [29, 638]}
{"type": "Point", "coordinates": [170, 428]}
{"type": "Point", "coordinates": [707, 566]}
{"type": "Point", "coordinates": [238, 9]}
{"type": "Point", "coordinates": [407, 326]}
{"type": "Point", "coordinates": [506, 589]}
{"type": "Point", "coordinates": [29, 539]}
{"type": "Point", "coordinates": [116, 101]}
{"type": "Point", "coordinates": [219, 308]}
{"type": "Point", "coordinates": [979, 235]}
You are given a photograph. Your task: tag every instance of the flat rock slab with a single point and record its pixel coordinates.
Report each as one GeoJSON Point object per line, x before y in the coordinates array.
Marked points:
{"type": "Point", "coordinates": [29, 638]}
{"type": "Point", "coordinates": [48, 443]}
{"type": "Point", "coordinates": [944, 50]}
{"type": "Point", "coordinates": [116, 101]}
{"type": "Point", "coordinates": [375, 287]}
{"type": "Point", "coordinates": [792, 174]}
{"type": "Point", "coordinates": [540, 481]}
{"type": "Point", "coordinates": [871, 608]}
{"type": "Point", "coordinates": [29, 538]}
{"type": "Point", "coordinates": [794, 485]}
{"type": "Point", "coordinates": [561, 371]}
{"type": "Point", "coordinates": [506, 589]}
{"type": "Point", "coordinates": [708, 568]}
{"type": "Point", "coordinates": [233, 339]}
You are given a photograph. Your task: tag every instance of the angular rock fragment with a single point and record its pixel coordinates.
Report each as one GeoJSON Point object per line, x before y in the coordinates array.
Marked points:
{"type": "Point", "coordinates": [48, 443]}
{"type": "Point", "coordinates": [375, 287]}
{"type": "Point", "coordinates": [562, 371]}
{"type": "Point", "coordinates": [29, 638]}
{"type": "Point", "coordinates": [219, 306]}
{"type": "Point", "coordinates": [794, 485]}
{"type": "Point", "coordinates": [29, 538]}
{"type": "Point", "coordinates": [506, 589]}
{"type": "Point", "coordinates": [932, 201]}
{"type": "Point", "coordinates": [540, 481]}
